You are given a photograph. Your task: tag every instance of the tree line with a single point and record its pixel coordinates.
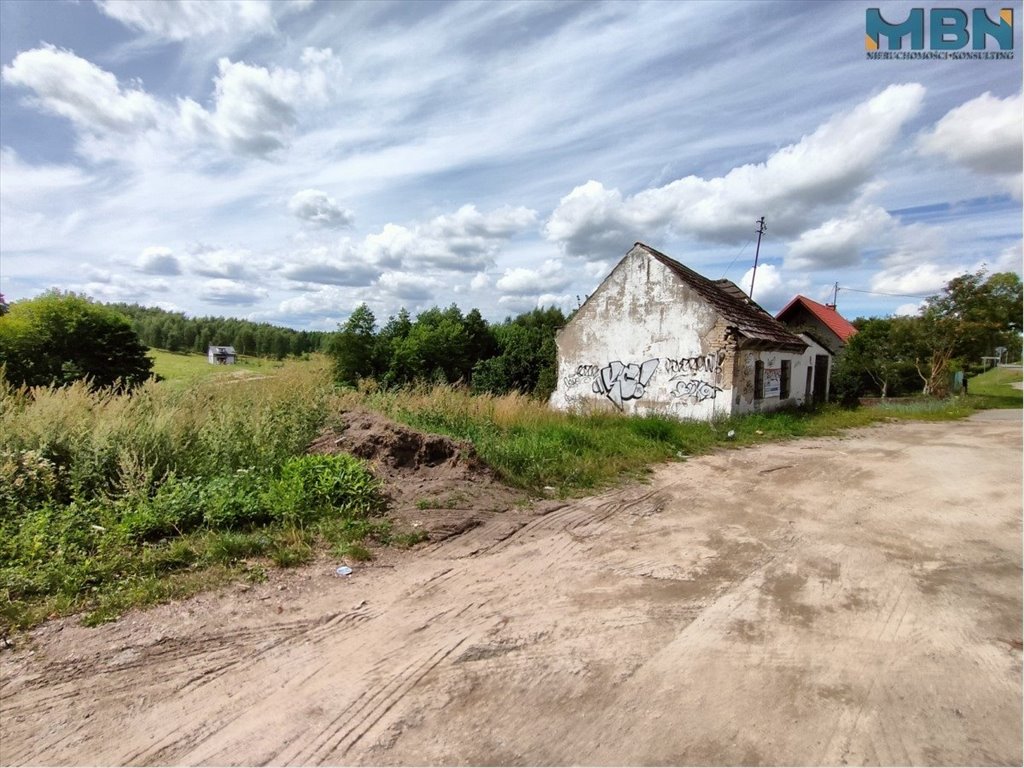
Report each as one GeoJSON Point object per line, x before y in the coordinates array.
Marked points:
{"type": "Point", "coordinates": [176, 332]}
{"type": "Point", "coordinates": [445, 346]}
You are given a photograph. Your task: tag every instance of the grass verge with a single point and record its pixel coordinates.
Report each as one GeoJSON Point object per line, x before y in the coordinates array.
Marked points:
{"type": "Point", "coordinates": [994, 389]}
{"type": "Point", "coordinates": [534, 448]}
{"type": "Point", "coordinates": [111, 501]}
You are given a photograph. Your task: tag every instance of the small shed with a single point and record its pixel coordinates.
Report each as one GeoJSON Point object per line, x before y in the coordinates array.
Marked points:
{"type": "Point", "coordinates": [657, 337]}
{"type": "Point", "coordinates": [221, 355]}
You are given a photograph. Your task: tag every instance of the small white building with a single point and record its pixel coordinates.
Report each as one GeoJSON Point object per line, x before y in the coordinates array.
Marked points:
{"type": "Point", "coordinates": [221, 355]}
{"type": "Point", "coordinates": [656, 337]}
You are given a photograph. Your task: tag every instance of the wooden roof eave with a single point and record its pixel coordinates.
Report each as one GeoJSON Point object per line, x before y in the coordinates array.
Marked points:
{"type": "Point", "coordinates": [749, 344]}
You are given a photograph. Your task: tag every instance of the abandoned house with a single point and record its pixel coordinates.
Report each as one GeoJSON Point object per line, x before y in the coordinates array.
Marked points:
{"type": "Point", "coordinates": [822, 321]}
{"type": "Point", "coordinates": [221, 355]}
{"type": "Point", "coordinates": [656, 337]}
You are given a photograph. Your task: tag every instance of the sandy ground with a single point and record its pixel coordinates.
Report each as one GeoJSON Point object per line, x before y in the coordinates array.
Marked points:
{"type": "Point", "coordinates": [851, 600]}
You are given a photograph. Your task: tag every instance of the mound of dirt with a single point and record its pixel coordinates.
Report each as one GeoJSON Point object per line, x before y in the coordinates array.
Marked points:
{"type": "Point", "coordinates": [396, 449]}
{"type": "Point", "coordinates": [434, 484]}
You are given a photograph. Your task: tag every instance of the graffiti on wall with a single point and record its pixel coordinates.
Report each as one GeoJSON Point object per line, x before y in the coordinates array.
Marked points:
{"type": "Point", "coordinates": [689, 374]}
{"type": "Point", "coordinates": [582, 372]}
{"type": "Point", "coordinates": [695, 390]}
{"type": "Point", "coordinates": [695, 379]}
{"type": "Point", "coordinates": [620, 381]}
{"type": "Point", "coordinates": [711, 363]}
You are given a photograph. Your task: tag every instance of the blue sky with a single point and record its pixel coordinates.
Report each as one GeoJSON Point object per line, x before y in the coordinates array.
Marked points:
{"type": "Point", "coordinates": [285, 161]}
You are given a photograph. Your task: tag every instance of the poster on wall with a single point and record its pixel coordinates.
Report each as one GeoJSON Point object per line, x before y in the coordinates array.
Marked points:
{"type": "Point", "coordinates": [772, 382]}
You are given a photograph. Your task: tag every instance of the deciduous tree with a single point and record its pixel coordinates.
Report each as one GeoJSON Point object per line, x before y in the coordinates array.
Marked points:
{"type": "Point", "coordinates": [59, 337]}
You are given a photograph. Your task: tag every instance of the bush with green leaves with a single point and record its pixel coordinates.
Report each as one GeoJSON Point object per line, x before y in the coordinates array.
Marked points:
{"type": "Point", "coordinates": [59, 338]}
{"type": "Point", "coordinates": [313, 487]}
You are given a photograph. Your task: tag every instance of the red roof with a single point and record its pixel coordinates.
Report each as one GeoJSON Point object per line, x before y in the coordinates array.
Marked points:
{"type": "Point", "coordinates": [835, 322]}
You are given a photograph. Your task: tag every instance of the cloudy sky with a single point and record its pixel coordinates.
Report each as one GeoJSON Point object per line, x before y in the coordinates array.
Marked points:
{"type": "Point", "coordinates": [284, 161]}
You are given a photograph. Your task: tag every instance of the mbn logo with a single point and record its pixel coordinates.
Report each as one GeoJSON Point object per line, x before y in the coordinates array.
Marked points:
{"type": "Point", "coordinates": [948, 29]}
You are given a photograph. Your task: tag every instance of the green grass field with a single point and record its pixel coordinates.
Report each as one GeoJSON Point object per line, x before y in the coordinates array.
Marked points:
{"type": "Point", "coordinates": [181, 367]}
{"type": "Point", "coordinates": [993, 388]}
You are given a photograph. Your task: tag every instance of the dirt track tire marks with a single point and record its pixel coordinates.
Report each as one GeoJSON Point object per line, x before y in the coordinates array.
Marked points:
{"type": "Point", "coordinates": [348, 728]}
{"type": "Point", "coordinates": [630, 628]}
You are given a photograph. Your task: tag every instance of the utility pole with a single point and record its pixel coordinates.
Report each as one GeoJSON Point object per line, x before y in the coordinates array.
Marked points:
{"type": "Point", "coordinates": [835, 295]}
{"type": "Point", "coordinates": [761, 229]}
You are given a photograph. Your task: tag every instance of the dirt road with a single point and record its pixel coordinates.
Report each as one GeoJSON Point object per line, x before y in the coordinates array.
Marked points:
{"type": "Point", "coordinates": [852, 600]}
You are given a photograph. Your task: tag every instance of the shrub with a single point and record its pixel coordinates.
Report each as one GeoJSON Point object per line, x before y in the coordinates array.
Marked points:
{"type": "Point", "coordinates": [234, 502]}
{"type": "Point", "coordinates": [313, 487]}
{"type": "Point", "coordinates": [175, 508]}
{"type": "Point", "coordinates": [27, 481]}
{"type": "Point", "coordinates": [59, 338]}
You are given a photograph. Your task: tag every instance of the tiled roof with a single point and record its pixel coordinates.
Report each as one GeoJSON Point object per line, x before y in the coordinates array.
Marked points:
{"type": "Point", "coordinates": [835, 322]}
{"type": "Point", "coordinates": [750, 320]}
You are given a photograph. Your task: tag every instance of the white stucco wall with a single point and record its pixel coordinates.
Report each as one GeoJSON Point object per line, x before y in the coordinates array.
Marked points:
{"type": "Point", "coordinates": [743, 387]}
{"type": "Point", "coordinates": [645, 343]}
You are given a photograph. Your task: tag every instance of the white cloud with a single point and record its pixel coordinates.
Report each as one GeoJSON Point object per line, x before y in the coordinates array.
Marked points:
{"type": "Point", "coordinates": [984, 135]}
{"type": "Point", "coordinates": [593, 221]}
{"type": "Point", "coordinates": [21, 182]}
{"type": "Point", "coordinates": [40, 208]}
{"type": "Point", "coordinates": [920, 280]}
{"type": "Point", "coordinates": [410, 287]}
{"type": "Point", "coordinates": [91, 98]}
{"type": "Point", "coordinates": [469, 223]}
{"type": "Point", "coordinates": [231, 292]}
{"type": "Point", "coordinates": [840, 241]}
{"type": "Point", "coordinates": [316, 207]}
{"type": "Point", "coordinates": [176, 20]}
{"type": "Point", "coordinates": [480, 281]}
{"type": "Point", "coordinates": [550, 276]}
{"type": "Point", "coordinates": [772, 288]}
{"type": "Point", "coordinates": [391, 246]}
{"type": "Point", "coordinates": [320, 265]}
{"type": "Point", "coordinates": [519, 304]}
{"type": "Point", "coordinates": [156, 260]}
{"type": "Point", "coordinates": [324, 302]}
{"type": "Point", "coordinates": [105, 286]}
{"type": "Point", "coordinates": [466, 241]}
{"type": "Point", "coordinates": [827, 166]}
{"type": "Point", "coordinates": [256, 108]}
{"type": "Point", "coordinates": [228, 263]}
{"type": "Point", "coordinates": [908, 310]}
{"type": "Point", "coordinates": [564, 301]}
{"type": "Point", "coordinates": [1010, 259]}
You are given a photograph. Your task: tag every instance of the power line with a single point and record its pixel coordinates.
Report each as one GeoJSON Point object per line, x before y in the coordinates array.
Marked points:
{"type": "Point", "coordinates": [736, 257]}
{"type": "Point", "coordinates": [880, 293]}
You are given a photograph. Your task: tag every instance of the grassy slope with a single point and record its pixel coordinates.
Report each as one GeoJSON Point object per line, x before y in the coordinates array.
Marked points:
{"type": "Point", "coordinates": [993, 389]}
